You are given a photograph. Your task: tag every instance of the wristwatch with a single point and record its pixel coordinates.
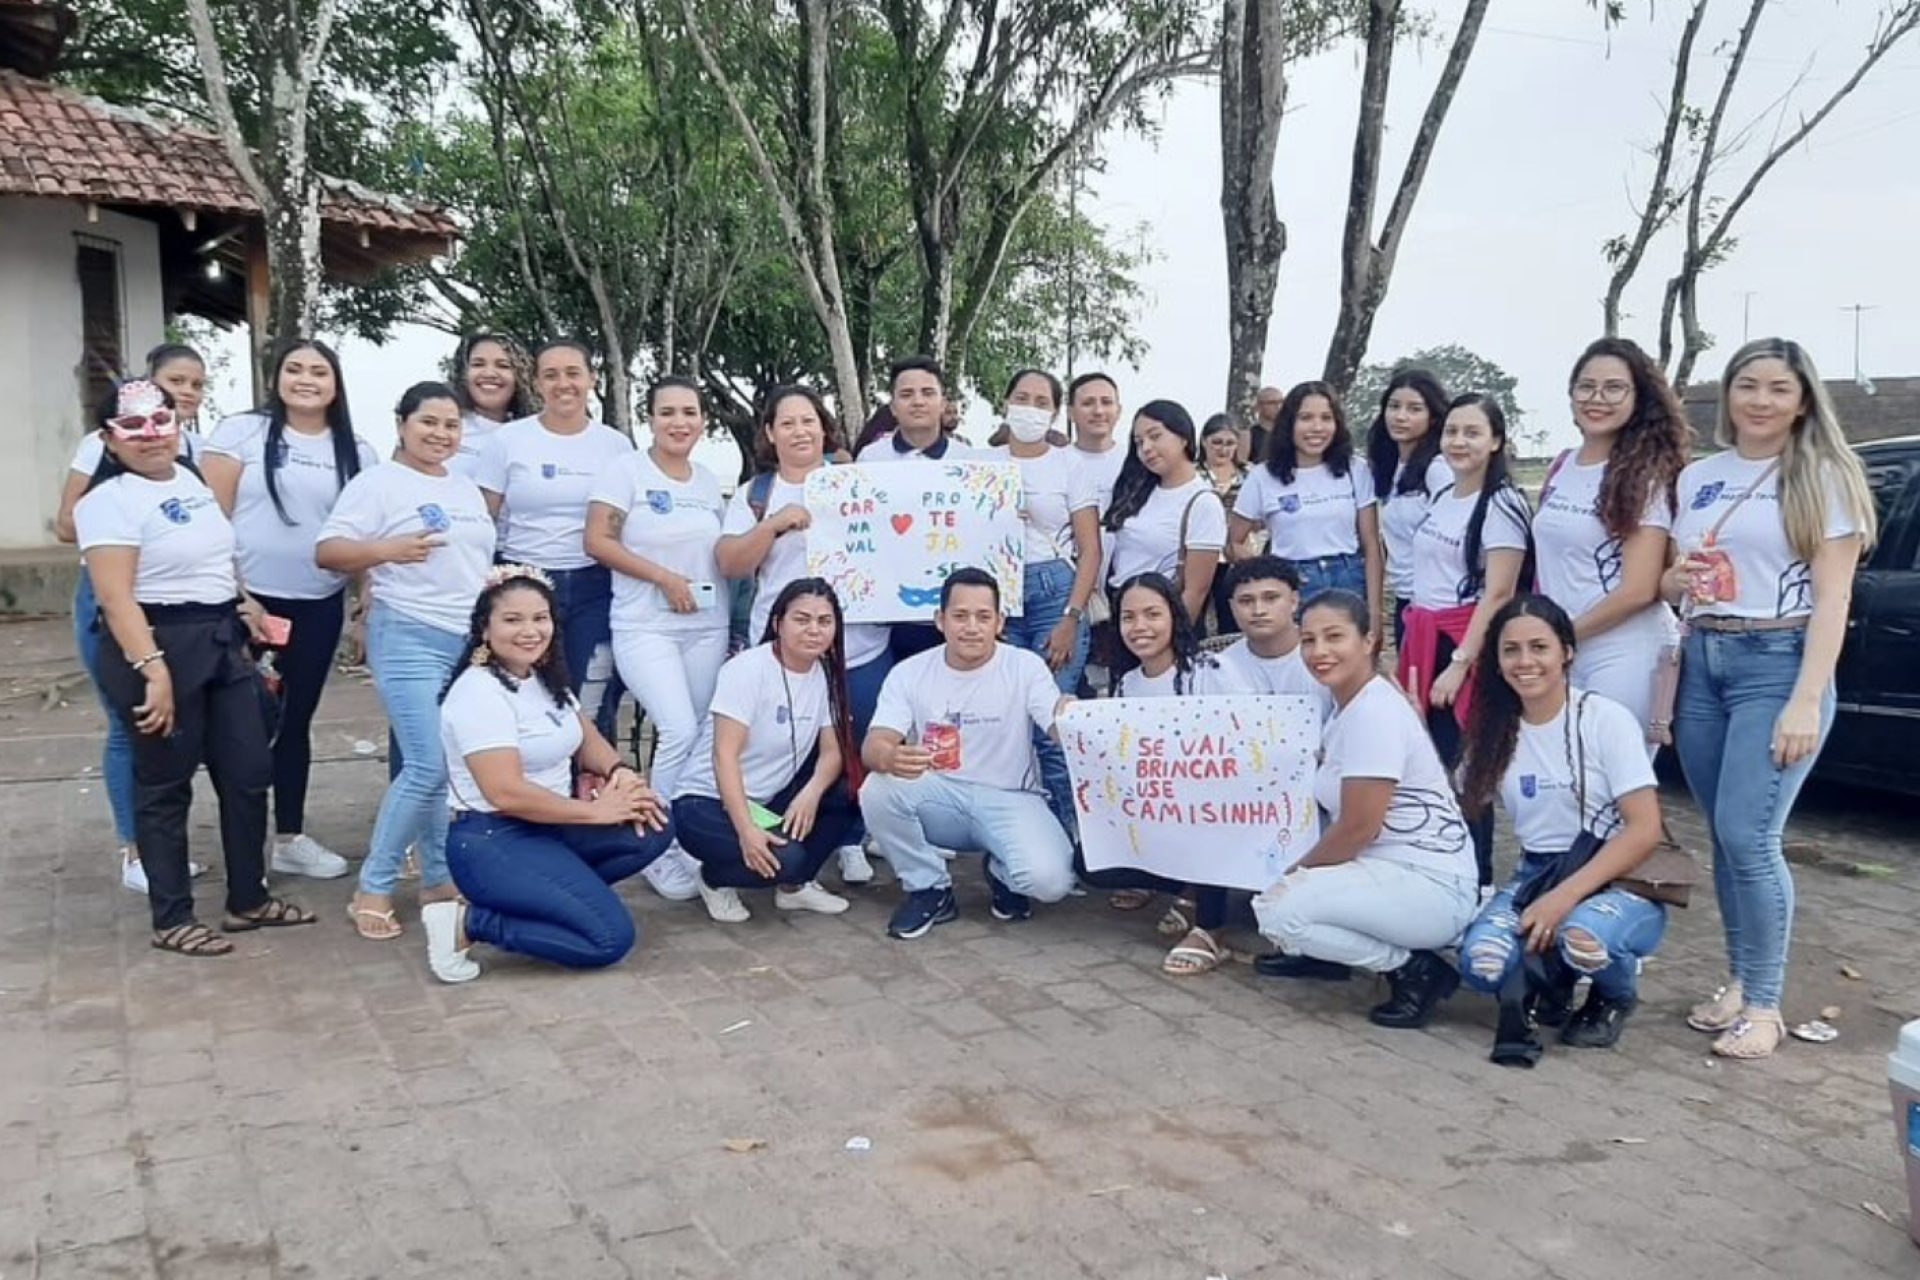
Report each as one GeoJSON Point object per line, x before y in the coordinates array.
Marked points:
{"type": "Point", "coordinates": [1075, 612]}
{"type": "Point", "coordinates": [1459, 659]}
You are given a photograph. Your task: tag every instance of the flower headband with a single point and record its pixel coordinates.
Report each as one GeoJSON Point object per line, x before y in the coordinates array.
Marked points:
{"type": "Point", "coordinates": [141, 413]}
{"type": "Point", "coordinates": [504, 573]}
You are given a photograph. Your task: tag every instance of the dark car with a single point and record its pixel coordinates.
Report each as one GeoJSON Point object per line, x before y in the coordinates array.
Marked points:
{"type": "Point", "coordinates": [1876, 737]}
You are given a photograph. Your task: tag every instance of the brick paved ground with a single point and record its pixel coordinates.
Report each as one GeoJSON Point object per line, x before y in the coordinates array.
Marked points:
{"type": "Point", "coordinates": [1041, 1103]}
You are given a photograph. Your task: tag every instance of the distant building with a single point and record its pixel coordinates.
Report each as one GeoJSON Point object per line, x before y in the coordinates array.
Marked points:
{"type": "Point", "coordinates": [1892, 410]}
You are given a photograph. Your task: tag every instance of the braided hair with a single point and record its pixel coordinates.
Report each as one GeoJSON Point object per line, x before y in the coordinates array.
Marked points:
{"type": "Point", "coordinates": [839, 704]}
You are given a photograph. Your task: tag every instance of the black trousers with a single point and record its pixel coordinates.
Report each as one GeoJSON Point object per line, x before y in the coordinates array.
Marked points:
{"type": "Point", "coordinates": [704, 830]}
{"type": "Point", "coordinates": [218, 722]}
{"type": "Point", "coordinates": [1448, 740]}
{"type": "Point", "coordinates": [304, 666]}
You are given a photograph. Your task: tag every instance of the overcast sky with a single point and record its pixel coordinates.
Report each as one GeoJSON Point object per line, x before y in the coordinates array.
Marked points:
{"type": "Point", "coordinates": [1541, 160]}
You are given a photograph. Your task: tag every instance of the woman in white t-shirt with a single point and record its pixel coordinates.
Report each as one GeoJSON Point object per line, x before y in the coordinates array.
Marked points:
{"type": "Point", "coordinates": [1391, 879]}
{"type": "Point", "coordinates": [181, 373]}
{"type": "Point", "coordinates": [1469, 557]}
{"type": "Point", "coordinates": [535, 866]}
{"type": "Point", "coordinates": [422, 534]}
{"type": "Point", "coordinates": [1165, 516]}
{"type": "Point", "coordinates": [768, 799]}
{"type": "Point", "coordinates": [1403, 457]}
{"type": "Point", "coordinates": [1314, 498]}
{"type": "Point", "coordinates": [277, 472]}
{"type": "Point", "coordinates": [176, 667]}
{"type": "Point", "coordinates": [1601, 530]}
{"type": "Point", "coordinates": [491, 376]}
{"type": "Point", "coordinates": [1769, 534]}
{"type": "Point", "coordinates": [1566, 764]}
{"type": "Point", "coordinates": [764, 541]}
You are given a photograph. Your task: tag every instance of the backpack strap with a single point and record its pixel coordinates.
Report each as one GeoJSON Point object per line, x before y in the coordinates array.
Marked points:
{"type": "Point", "coordinates": [1553, 469]}
{"type": "Point", "coordinates": [759, 490]}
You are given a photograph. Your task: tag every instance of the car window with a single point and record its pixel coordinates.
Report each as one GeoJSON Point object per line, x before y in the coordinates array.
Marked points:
{"type": "Point", "coordinates": [1888, 480]}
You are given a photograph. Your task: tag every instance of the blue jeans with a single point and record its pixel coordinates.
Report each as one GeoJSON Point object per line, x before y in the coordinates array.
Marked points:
{"type": "Point", "coordinates": [116, 761]}
{"type": "Point", "coordinates": [1626, 927]}
{"type": "Point", "coordinates": [1733, 687]}
{"type": "Point", "coordinates": [547, 891]}
{"type": "Point", "coordinates": [706, 832]}
{"type": "Point", "coordinates": [1347, 573]}
{"type": "Point", "coordinates": [1028, 850]}
{"type": "Point", "coordinates": [1048, 589]}
{"type": "Point", "coordinates": [585, 600]}
{"type": "Point", "coordinates": [411, 664]}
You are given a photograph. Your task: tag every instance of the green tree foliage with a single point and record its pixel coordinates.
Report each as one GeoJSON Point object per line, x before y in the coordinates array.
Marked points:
{"type": "Point", "coordinates": [1459, 371]}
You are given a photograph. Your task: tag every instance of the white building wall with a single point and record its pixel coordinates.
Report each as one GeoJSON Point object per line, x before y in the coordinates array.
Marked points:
{"type": "Point", "coordinates": [40, 352]}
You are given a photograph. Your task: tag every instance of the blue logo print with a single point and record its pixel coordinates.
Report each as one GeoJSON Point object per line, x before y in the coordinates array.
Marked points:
{"type": "Point", "coordinates": [176, 511]}
{"type": "Point", "coordinates": [434, 518]}
{"type": "Point", "coordinates": [1704, 496]}
{"type": "Point", "coordinates": [781, 715]}
{"type": "Point", "coordinates": [1529, 785]}
{"type": "Point", "coordinates": [659, 501]}
{"type": "Point", "coordinates": [548, 471]}
{"type": "Point", "coordinates": [1290, 504]}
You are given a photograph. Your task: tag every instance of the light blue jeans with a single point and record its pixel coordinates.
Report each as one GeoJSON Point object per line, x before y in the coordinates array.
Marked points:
{"type": "Point", "coordinates": [1369, 913]}
{"type": "Point", "coordinates": [1733, 687]}
{"type": "Point", "coordinates": [411, 664]}
{"type": "Point", "coordinates": [116, 760]}
{"type": "Point", "coordinates": [1048, 588]}
{"type": "Point", "coordinates": [1626, 927]}
{"type": "Point", "coordinates": [1026, 848]}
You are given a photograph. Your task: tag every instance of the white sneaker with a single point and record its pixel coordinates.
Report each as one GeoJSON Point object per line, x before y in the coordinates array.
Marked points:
{"type": "Point", "coordinates": [724, 905]}
{"type": "Point", "coordinates": [133, 873]}
{"type": "Point", "coordinates": [441, 921]}
{"type": "Point", "coordinates": [674, 875]}
{"type": "Point", "coordinates": [854, 867]}
{"type": "Point", "coordinates": [871, 848]}
{"type": "Point", "coordinates": [304, 856]}
{"type": "Point", "coordinates": [810, 897]}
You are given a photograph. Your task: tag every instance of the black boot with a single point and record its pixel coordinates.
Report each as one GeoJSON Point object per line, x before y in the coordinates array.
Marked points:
{"type": "Point", "coordinates": [1418, 985]}
{"type": "Point", "coordinates": [1514, 1041]}
{"type": "Point", "coordinates": [1598, 1024]}
{"type": "Point", "coordinates": [1553, 998]}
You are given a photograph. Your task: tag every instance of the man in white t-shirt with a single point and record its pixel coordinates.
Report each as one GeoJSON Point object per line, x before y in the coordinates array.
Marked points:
{"type": "Point", "coordinates": [952, 765]}
{"type": "Point", "coordinates": [1265, 594]}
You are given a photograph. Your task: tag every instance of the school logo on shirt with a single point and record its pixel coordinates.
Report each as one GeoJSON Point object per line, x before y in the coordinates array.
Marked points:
{"type": "Point", "coordinates": [176, 511]}
{"type": "Point", "coordinates": [1529, 786]}
{"type": "Point", "coordinates": [434, 517]}
{"type": "Point", "coordinates": [1289, 504]}
{"type": "Point", "coordinates": [549, 470]}
{"type": "Point", "coordinates": [660, 502]}
{"type": "Point", "coordinates": [1705, 495]}
{"type": "Point", "coordinates": [781, 715]}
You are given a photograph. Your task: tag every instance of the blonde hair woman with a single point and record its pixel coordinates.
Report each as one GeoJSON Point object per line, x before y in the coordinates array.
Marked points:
{"type": "Point", "coordinates": [1769, 533]}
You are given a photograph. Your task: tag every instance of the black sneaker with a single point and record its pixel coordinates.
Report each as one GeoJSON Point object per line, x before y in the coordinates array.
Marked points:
{"type": "Point", "coordinates": [1007, 905]}
{"type": "Point", "coordinates": [1598, 1024]}
{"type": "Point", "coordinates": [923, 909]}
{"type": "Point", "coordinates": [1282, 965]}
{"type": "Point", "coordinates": [1417, 987]}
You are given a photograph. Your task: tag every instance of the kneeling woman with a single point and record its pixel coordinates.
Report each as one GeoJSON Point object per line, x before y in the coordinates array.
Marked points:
{"type": "Point", "coordinates": [775, 746]}
{"type": "Point", "coordinates": [1392, 878]}
{"type": "Point", "coordinates": [1572, 771]}
{"type": "Point", "coordinates": [536, 866]}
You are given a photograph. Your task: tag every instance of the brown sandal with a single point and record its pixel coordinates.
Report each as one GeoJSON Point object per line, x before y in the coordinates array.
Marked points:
{"type": "Point", "coordinates": [191, 939]}
{"type": "Point", "coordinates": [1129, 899]}
{"type": "Point", "coordinates": [1179, 919]}
{"type": "Point", "coordinates": [274, 913]}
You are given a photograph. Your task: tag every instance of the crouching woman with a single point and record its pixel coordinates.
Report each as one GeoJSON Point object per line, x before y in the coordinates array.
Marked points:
{"type": "Point", "coordinates": [1392, 878]}
{"type": "Point", "coordinates": [1571, 769]}
{"type": "Point", "coordinates": [536, 866]}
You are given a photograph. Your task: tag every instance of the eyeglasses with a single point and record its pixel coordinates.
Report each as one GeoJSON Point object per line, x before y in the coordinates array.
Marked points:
{"type": "Point", "coordinates": [1604, 392]}
{"type": "Point", "coordinates": [143, 426]}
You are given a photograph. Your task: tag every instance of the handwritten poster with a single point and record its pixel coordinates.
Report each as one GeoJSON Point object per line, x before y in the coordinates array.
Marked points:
{"type": "Point", "coordinates": [1206, 790]}
{"type": "Point", "coordinates": [887, 535]}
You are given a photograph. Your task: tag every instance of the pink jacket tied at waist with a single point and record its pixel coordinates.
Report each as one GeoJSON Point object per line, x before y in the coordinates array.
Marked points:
{"type": "Point", "coordinates": [1420, 653]}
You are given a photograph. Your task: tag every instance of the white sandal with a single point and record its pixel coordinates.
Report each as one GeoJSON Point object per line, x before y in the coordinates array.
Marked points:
{"type": "Point", "coordinates": [1756, 1034]}
{"type": "Point", "coordinates": [1721, 1011]}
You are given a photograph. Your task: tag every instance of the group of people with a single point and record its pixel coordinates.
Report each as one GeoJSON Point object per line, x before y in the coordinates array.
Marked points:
{"type": "Point", "coordinates": [519, 565]}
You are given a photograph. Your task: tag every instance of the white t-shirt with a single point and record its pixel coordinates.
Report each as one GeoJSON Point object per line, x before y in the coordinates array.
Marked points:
{"type": "Point", "coordinates": [787, 560]}
{"type": "Point", "coordinates": [1440, 544]}
{"type": "Point", "coordinates": [1146, 543]}
{"type": "Point", "coordinates": [1052, 488]}
{"type": "Point", "coordinates": [393, 500]}
{"type": "Point", "coordinates": [1205, 679]}
{"type": "Point", "coordinates": [996, 706]}
{"type": "Point", "coordinates": [1538, 789]}
{"type": "Point", "coordinates": [1317, 515]}
{"type": "Point", "coordinates": [1400, 517]}
{"type": "Point", "coordinates": [1100, 470]}
{"type": "Point", "coordinates": [675, 524]}
{"type": "Point", "coordinates": [1578, 562]}
{"type": "Point", "coordinates": [1244, 671]}
{"type": "Point", "coordinates": [1378, 735]}
{"type": "Point", "coordinates": [884, 450]}
{"type": "Point", "coordinates": [86, 458]}
{"type": "Point", "coordinates": [475, 431]}
{"type": "Point", "coordinates": [276, 556]}
{"type": "Point", "coordinates": [482, 714]}
{"type": "Point", "coordinates": [185, 541]}
{"type": "Point", "coordinates": [544, 480]}
{"type": "Point", "coordinates": [783, 712]}
{"type": "Point", "coordinates": [1770, 580]}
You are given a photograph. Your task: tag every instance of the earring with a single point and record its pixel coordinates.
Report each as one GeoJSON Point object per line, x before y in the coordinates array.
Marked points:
{"type": "Point", "coordinates": [481, 656]}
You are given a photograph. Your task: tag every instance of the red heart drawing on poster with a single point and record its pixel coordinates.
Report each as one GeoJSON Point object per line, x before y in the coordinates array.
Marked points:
{"type": "Point", "coordinates": [902, 523]}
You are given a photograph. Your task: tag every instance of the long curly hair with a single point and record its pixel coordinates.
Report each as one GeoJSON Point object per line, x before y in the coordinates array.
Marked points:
{"type": "Point", "coordinates": [1283, 455]}
{"type": "Point", "coordinates": [1493, 729]}
{"type": "Point", "coordinates": [1383, 451]}
{"type": "Point", "coordinates": [523, 403]}
{"type": "Point", "coordinates": [839, 703]}
{"type": "Point", "coordinates": [550, 670]}
{"type": "Point", "coordinates": [1187, 657]}
{"type": "Point", "coordinates": [1652, 447]}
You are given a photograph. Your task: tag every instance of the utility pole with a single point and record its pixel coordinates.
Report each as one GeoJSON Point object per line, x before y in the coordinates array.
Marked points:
{"type": "Point", "coordinates": [1746, 314]}
{"type": "Point", "coordinates": [1860, 379]}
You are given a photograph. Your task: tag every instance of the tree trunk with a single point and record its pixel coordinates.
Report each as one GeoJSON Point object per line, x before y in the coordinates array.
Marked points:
{"type": "Point", "coordinates": [1253, 96]}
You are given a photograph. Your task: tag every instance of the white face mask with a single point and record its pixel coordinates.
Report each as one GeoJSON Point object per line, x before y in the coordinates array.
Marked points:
{"type": "Point", "coordinates": [1028, 423]}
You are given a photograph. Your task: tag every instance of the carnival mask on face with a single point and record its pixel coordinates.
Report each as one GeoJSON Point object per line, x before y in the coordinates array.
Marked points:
{"type": "Point", "coordinates": [1028, 423]}
{"type": "Point", "coordinates": [141, 413]}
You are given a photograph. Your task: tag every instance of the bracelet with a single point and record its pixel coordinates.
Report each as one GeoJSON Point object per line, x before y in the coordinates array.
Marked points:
{"type": "Point", "coordinates": [155, 656]}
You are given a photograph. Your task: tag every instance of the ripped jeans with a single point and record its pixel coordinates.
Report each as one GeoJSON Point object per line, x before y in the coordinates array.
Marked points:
{"type": "Point", "coordinates": [1605, 937]}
